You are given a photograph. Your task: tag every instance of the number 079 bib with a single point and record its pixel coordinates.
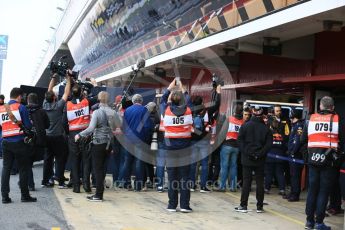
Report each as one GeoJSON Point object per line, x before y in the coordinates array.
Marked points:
{"type": "Point", "coordinates": [322, 138]}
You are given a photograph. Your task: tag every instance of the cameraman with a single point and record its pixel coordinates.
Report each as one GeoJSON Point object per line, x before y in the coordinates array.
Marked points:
{"type": "Point", "coordinates": [78, 116]}
{"type": "Point", "coordinates": [55, 133]}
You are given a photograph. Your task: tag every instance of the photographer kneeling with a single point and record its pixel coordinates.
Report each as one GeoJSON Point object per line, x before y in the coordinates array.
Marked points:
{"type": "Point", "coordinates": [102, 136]}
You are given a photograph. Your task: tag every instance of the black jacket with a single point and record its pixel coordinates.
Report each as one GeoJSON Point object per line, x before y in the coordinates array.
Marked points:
{"type": "Point", "coordinates": [40, 122]}
{"type": "Point", "coordinates": [255, 140]}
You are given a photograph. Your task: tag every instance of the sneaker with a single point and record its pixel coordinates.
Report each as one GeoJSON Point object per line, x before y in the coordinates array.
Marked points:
{"type": "Point", "coordinates": [62, 186]}
{"type": "Point", "coordinates": [29, 199]}
{"type": "Point", "coordinates": [322, 226]}
{"type": "Point", "coordinates": [267, 191]}
{"type": "Point", "coordinates": [204, 190]}
{"type": "Point", "coordinates": [233, 190]}
{"type": "Point", "coordinates": [241, 209]}
{"type": "Point", "coordinates": [193, 188]}
{"type": "Point", "coordinates": [94, 198]}
{"type": "Point", "coordinates": [47, 185]}
{"type": "Point", "coordinates": [32, 189]}
{"type": "Point", "coordinates": [160, 189]}
{"type": "Point", "coordinates": [6, 200]}
{"type": "Point", "coordinates": [282, 193]}
{"type": "Point", "coordinates": [260, 210]}
{"type": "Point", "coordinates": [171, 209]}
{"type": "Point", "coordinates": [309, 225]}
{"type": "Point", "coordinates": [186, 210]}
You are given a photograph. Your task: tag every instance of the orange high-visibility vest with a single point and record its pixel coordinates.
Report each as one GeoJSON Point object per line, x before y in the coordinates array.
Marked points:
{"type": "Point", "coordinates": [234, 127]}
{"type": "Point", "coordinates": [78, 115]}
{"type": "Point", "coordinates": [118, 130]}
{"type": "Point", "coordinates": [9, 128]}
{"type": "Point", "coordinates": [319, 132]}
{"type": "Point", "coordinates": [178, 127]}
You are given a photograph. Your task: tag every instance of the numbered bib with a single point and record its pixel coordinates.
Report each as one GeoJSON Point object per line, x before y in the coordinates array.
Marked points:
{"type": "Point", "coordinates": [234, 127]}
{"type": "Point", "coordinates": [178, 127]}
{"type": "Point", "coordinates": [78, 115]}
{"type": "Point", "coordinates": [9, 128]}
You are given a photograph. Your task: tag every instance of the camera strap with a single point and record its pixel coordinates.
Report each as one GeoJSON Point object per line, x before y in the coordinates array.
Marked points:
{"type": "Point", "coordinates": [330, 131]}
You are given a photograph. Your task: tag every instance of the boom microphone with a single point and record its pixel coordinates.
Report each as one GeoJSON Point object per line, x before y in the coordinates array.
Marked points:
{"type": "Point", "coordinates": [140, 63]}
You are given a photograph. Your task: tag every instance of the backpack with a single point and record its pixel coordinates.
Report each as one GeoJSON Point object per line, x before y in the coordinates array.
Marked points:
{"type": "Point", "coordinates": [198, 122]}
{"type": "Point", "coordinates": [38, 131]}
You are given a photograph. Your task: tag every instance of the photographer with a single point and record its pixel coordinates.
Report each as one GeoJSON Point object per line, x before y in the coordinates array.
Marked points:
{"type": "Point", "coordinates": [101, 126]}
{"type": "Point", "coordinates": [323, 134]}
{"type": "Point", "coordinates": [13, 116]}
{"type": "Point", "coordinates": [178, 124]}
{"type": "Point", "coordinates": [56, 143]}
{"type": "Point", "coordinates": [78, 116]}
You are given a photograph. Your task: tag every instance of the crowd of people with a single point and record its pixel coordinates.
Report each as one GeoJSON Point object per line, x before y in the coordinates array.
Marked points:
{"type": "Point", "coordinates": [81, 133]}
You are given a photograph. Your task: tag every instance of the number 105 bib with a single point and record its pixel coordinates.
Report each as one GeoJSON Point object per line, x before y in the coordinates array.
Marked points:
{"type": "Point", "coordinates": [178, 126]}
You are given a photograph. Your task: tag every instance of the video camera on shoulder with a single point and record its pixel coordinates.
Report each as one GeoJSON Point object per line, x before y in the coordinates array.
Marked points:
{"type": "Point", "coordinates": [60, 67]}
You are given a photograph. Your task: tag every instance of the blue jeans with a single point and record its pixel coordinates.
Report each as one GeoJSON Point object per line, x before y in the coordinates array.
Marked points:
{"type": "Point", "coordinates": [228, 157]}
{"type": "Point", "coordinates": [161, 158]}
{"type": "Point", "coordinates": [139, 168]}
{"type": "Point", "coordinates": [295, 178]}
{"type": "Point", "coordinates": [274, 169]}
{"type": "Point", "coordinates": [200, 150]}
{"type": "Point", "coordinates": [1, 143]}
{"type": "Point", "coordinates": [178, 181]}
{"type": "Point", "coordinates": [119, 159]}
{"type": "Point", "coordinates": [320, 184]}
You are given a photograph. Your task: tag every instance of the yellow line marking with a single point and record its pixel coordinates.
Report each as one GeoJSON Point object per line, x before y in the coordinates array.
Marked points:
{"type": "Point", "coordinates": [274, 212]}
{"type": "Point", "coordinates": [56, 228]}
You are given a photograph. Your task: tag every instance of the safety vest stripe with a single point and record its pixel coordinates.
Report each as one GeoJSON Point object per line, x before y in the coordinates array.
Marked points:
{"type": "Point", "coordinates": [78, 126]}
{"type": "Point", "coordinates": [324, 138]}
{"type": "Point", "coordinates": [11, 132]}
{"type": "Point", "coordinates": [177, 135]}
{"type": "Point", "coordinates": [320, 144]}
